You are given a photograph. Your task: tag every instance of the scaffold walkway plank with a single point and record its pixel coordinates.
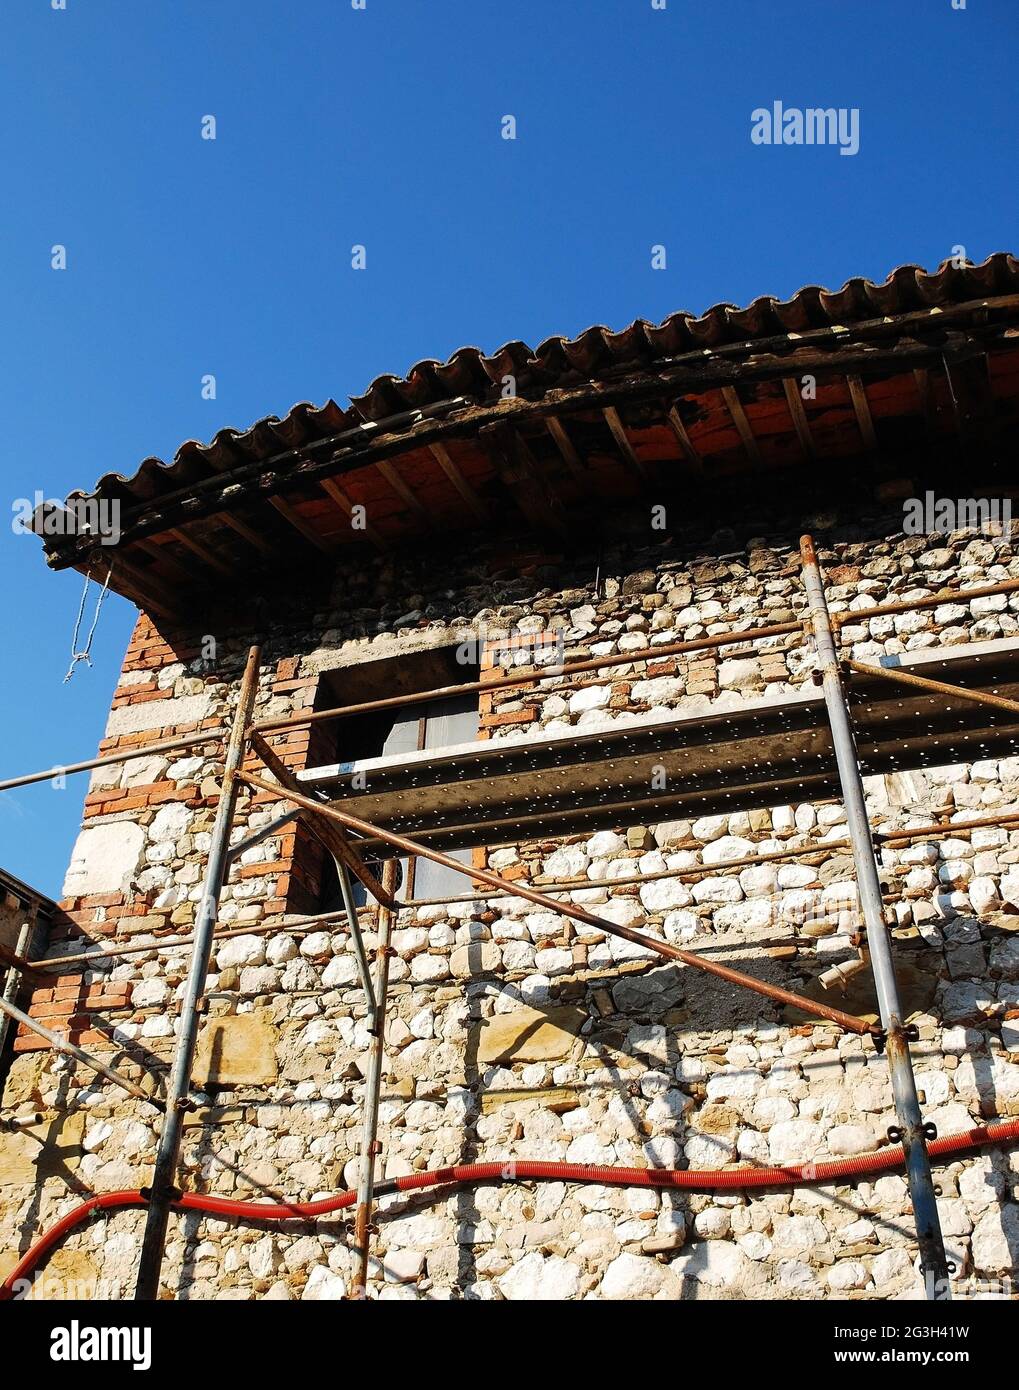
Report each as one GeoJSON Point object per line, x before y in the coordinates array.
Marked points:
{"type": "Point", "coordinates": [671, 766]}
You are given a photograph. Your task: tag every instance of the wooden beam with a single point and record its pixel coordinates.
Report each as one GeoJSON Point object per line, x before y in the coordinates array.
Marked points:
{"type": "Point", "coordinates": [152, 594]}
{"type": "Point", "coordinates": [402, 491]}
{"type": "Point", "coordinates": [739, 419]}
{"type": "Point", "coordinates": [207, 556]}
{"type": "Point", "coordinates": [690, 453]}
{"type": "Point", "coordinates": [969, 386]}
{"type": "Point", "coordinates": [861, 409]}
{"type": "Point", "coordinates": [179, 573]}
{"type": "Point", "coordinates": [247, 532]}
{"type": "Point", "coordinates": [922, 378]}
{"type": "Point", "coordinates": [332, 489]}
{"type": "Point", "coordinates": [297, 521]}
{"type": "Point", "coordinates": [564, 444]}
{"type": "Point", "coordinates": [615, 424]}
{"type": "Point", "coordinates": [522, 475]}
{"type": "Point", "coordinates": [441, 455]}
{"type": "Point", "coordinates": [794, 400]}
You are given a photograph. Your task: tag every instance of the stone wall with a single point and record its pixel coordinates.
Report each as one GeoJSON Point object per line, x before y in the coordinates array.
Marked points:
{"type": "Point", "coordinates": [514, 1033]}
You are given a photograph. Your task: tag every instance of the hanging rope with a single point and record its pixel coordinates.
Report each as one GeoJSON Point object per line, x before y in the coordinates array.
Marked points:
{"type": "Point", "coordinates": [83, 654]}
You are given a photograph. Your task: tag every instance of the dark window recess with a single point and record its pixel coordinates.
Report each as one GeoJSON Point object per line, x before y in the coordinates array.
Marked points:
{"type": "Point", "coordinates": [388, 733]}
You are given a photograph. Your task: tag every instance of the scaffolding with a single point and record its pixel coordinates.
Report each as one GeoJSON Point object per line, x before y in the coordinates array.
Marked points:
{"type": "Point", "coordinates": [960, 717]}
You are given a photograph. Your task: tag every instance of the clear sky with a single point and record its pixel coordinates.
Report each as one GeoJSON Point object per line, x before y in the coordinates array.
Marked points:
{"type": "Point", "coordinates": [382, 127]}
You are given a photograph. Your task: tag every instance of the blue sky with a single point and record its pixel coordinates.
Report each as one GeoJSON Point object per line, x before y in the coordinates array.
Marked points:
{"type": "Point", "coordinates": [382, 127]}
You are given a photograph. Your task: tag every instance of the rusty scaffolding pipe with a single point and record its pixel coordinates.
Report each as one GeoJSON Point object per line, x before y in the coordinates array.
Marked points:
{"type": "Point", "coordinates": [521, 890]}
{"type": "Point", "coordinates": [373, 1086]}
{"type": "Point", "coordinates": [911, 1129]}
{"type": "Point", "coordinates": [70, 1049]}
{"type": "Point", "coordinates": [957, 692]}
{"type": "Point", "coordinates": [163, 1189]}
{"type": "Point", "coordinates": [143, 750]}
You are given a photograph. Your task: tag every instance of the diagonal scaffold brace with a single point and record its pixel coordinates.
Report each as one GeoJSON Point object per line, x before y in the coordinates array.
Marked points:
{"type": "Point", "coordinates": [912, 1133]}
{"type": "Point", "coordinates": [163, 1191]}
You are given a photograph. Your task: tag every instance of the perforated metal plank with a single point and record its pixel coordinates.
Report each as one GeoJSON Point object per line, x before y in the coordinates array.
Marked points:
{"type": "Point", "coordinates": [666, 766]}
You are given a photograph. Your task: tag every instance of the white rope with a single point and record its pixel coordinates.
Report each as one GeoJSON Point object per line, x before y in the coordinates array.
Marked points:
{"type": "Point", "coordinates": [83, 654]}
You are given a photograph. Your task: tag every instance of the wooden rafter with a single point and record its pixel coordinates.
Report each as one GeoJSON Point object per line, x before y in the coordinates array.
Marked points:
{"type": "Point", "coordinates": [402, 491]}
{"type": "Point", "coordinates": [247, 532]}
{"type": "Point", "coordinates": [441, 455]}
{"type": "Point", "coordinates": [332, 489]}
{"type": "Point", "coordinates": [161, 554]}
{"type": "Point", "coordinates": [743, 428]}
{"type": "Point", "coordinates": [202, 551]}
{"type": "Point", "coordinates": [147, 590]}
{"type": "Point", "coordinates": [565, 445]}
{"type": "Point", "coordinates": [969, 387]}
{"type": "Point", "coordinates": [922, 379]}
{"type": "Point", "coordinates": [794, 400]}
{"type": "Point", "coordinates": [861, 409]}
{"type": "Point", "coordinates": [689, 450]}
{"type": "Point", "coordinates": [519, 470]}
{"type": "Point", "coordinates": [297, 521]}
{"type": "Point", "coordinates": [615, 424]}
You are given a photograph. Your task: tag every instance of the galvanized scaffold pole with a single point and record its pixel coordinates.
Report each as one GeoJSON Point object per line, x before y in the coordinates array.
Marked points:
{"type": "Point", "coordinates": [373, 1086]}
{"type": "Point", "coordinates": [912, 1132]}
{"type": "Point", "coordinates": [163, 1189]}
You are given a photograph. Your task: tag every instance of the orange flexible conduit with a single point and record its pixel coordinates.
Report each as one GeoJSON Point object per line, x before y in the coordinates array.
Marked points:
{"type": "Point", "coordinates": [1004, 1133]}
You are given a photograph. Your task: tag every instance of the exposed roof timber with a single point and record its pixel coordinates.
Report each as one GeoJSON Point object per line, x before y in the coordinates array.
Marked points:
{"type": "Point", "coordinates": [973, 407]}
{"type": "Point", "coordinates": [441, 455]}
{"type": "Point", "coordinates": [247, 532]}
{"type": "Point", "coordinates": [922, 378]}
{"type": "Point", "coordinates": [615, 424]}
{"type": "Point", "coordinates": [147, 590]}
{"type": "Point", "coordinates": [161, 554]}
{"type": "Point", "coordinates": [861, 409]}
{"type": "Point", "coordinates": [402, 491]}
{"type": "Point", "coordinates": [691, 455]}
{"type": "Point", "coordinates": [564, 444]}
{"type": "Point", "coordinates": [258, 478]}
{"type": "Point", "coordinates": [332, 489]}
{"type": "Point", "coordinates": [203, 552]}
{"type": "Point", "coordinates": [791, 387]}
{"type": "Point", "coordinates": [530, 487]}
{"type": "Point", "coordinates": [297, 521]}
{"type": "Point", "coordinates": [743, 426]}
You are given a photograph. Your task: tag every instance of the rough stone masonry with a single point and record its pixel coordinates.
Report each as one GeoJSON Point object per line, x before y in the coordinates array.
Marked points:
{"type": "Point", "coordinates": [513, 1032]}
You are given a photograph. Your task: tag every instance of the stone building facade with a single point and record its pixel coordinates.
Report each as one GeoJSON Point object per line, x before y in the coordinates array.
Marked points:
{"type": "Point", "coordinates": [515, 1033]}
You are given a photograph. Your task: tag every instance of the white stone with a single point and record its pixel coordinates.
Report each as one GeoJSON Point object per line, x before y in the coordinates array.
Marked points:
{"type": "Point", "coordinates": [794, 1141]}
{"type": "Point", "coordinates": [605, 844]}
{"type": "Point", "coordinates": [590, 697]}
{"type": "Point", "coordinates": [240, 951]}
{"type": "Point", "coordinates": [727, 847]}
{"type": "Point", "coordinates": [105, 858]}
{"type": "Point", "coordinates": [149, 994]}
{"type": "Point", "coordinates": [663, 894]}
{"type": "Point", "coordinates": [158, 714]}
{"type": "Point", "coordinates": [633, 1276]}
{"type": "Point", "coordinates": [428, 969]}
{"type": "Point", "coordinates": [341, 970]}
{"type": "Point", "coordinates": [170, 822]}
{"type": "Point", "coordinates": [738, 673]}
{"type": "Point", "coordinates": [568, 862]}
{"type": "Point", "coordinates": [537, 1278]}
{"type": "Point", "coordinates": [324, 1286]}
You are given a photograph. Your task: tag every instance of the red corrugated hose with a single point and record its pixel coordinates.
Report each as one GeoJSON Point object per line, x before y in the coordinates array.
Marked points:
{"type": "Point", "coordinates": [465, 1174]}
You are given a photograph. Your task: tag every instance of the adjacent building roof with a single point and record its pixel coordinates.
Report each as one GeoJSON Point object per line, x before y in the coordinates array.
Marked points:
{"type": "Point", "coordinates": [924, 362]}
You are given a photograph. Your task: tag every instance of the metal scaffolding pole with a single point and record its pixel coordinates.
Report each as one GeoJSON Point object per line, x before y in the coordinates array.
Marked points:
{"type": "Point", "coordinates": [912, 1133]}
{"type": "Point", "coordinates": [369, 1141]}
{"type": "Point", "coordinates": [12, 984]}
{"type": "Point", "coordinates": [163, 1189]}
{"type": "Point", "coordinates": [69, 1049]}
